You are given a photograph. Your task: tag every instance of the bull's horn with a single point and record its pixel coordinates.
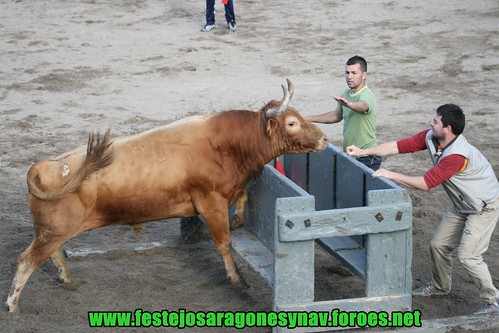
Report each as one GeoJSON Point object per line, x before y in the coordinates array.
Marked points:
{"type": "Point", "coordinates": [288, 93]}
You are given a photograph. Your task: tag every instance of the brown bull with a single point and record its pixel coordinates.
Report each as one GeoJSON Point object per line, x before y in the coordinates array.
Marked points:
{"type": "Point", "coordinates": [199, 165]}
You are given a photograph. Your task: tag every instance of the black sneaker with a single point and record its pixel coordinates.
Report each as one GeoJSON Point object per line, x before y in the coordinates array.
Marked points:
{"type": "Point", "coordinates": [232, 26]}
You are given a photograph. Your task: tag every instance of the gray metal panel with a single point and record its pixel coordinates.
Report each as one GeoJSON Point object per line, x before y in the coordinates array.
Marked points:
{"type": "Point", "coordinates": [348, 251]}
{"type": "Point", "coordinates": [379, 184]}
{"type": "Point", "coordinates": [321, 185]}
{"type": "Point", "coordinates": [349, 183]}
{"type": "Point", "coordinates": [254, 253]}
{"type": "Point", "coordinates": [263, 192]}
{"type": "Point", "coordinates": [296, 168]}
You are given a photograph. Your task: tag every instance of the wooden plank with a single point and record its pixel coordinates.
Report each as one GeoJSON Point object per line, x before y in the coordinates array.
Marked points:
{"type": "Point", "coordinates": [344, 222]}
{"type": "Point", "coordinates": [293, 262]}
{"type": "Point", "coordinates": [388, 269]}
{"type": "Point", "coordinates": [382, 197]}
{"type": "Point", "coordinates": [391, 250]}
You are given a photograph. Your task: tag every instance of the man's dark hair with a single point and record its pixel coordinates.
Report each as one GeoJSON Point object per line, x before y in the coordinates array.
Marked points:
{"type": "Point", "coordinates": [358, 60]}
{"type": "Point", "coordinates": [452, 115]}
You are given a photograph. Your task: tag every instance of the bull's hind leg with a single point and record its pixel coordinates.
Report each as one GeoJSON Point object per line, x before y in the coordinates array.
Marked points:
{"type": "Point", "coordinates": [34, 256]}
{"type": "Point", "coordinates": [59, 262]}
{"type": "Point", "coordinates": [24, 270]}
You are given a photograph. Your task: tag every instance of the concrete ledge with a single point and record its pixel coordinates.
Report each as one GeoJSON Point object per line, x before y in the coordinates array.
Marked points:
{"type": "Point", "coordinates": [477, 323]}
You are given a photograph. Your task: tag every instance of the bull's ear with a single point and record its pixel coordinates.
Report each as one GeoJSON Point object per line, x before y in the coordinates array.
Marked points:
{"type": "Point", "coordinates": [271, 124]}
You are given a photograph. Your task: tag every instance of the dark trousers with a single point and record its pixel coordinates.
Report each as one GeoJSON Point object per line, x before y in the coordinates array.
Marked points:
{"type": "Point", "coordinates": [371, 161]}
{"type": "Point", "coordinates": [210, 12]}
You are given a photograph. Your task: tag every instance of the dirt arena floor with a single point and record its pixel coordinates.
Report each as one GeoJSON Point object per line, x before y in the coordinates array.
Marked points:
{"type": "Point", "coordinates": [70, 67]}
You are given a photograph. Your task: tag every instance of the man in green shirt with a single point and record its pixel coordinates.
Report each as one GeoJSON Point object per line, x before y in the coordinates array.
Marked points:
{"type": "Point", "coordinates": [357, 106]}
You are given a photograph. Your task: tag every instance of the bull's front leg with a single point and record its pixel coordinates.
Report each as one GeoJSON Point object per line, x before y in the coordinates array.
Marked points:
{"type": "Point", "coordinates": [219, 230]}
{"type": "Point", "coordinates": [226, 251]}
{"type": "Point", "coordinates": [213, 208]}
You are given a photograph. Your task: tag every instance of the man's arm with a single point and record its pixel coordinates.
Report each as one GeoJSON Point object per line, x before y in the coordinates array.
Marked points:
{"type": "Point", "coordinates": [358, 106]}
{"type": "Point", "coordinates": [417, 182]}
{"type": "Point", "coordinates": [385, 149]}
{"type": "Point", "coordinates": [330, 117]}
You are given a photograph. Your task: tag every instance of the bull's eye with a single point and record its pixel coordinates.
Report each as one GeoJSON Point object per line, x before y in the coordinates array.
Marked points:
{"type": "Point", "coordinates": [293, 124]}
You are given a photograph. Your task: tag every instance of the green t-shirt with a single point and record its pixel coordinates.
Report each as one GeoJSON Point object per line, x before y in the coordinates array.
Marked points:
{"type": "Point", "coordinates": [359, 128]}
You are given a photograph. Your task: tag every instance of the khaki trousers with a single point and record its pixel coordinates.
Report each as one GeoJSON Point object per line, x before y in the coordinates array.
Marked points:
{"type": "Point", "coordinates": [470, 234]}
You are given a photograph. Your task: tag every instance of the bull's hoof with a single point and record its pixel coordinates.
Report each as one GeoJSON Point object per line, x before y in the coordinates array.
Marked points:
{"type": "Point", "coordinates": [68, 285]}
{"type": "Point", "coordinates": [234, 277]}
{"type": "Point", "coordinates": [64, 278]}
{"type": "Point", "coordinates": [240, 284]}
{"type": "Point", "coordinates": [11, 308]}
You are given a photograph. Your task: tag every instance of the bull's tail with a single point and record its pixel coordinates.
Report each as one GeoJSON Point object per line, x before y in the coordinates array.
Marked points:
{"type": "Point", "coordinates": [98, 156]}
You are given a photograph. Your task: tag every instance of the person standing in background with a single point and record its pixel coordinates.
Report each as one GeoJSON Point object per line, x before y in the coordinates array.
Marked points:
{"type": "Point", "coordinates": [230, 16]}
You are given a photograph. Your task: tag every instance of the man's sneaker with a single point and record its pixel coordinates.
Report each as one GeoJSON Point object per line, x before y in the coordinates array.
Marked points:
{"type": "Point", "coordinates": [208, 27]}
{"type": "Point", "coordinates": [428, 290]}
{"type": "Point", "coordinates": [232, 26]}
{"type": "Point", "coordinates": [489, 308]}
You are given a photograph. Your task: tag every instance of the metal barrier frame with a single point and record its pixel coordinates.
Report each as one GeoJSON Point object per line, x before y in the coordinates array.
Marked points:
{"type": "Point", "coordinates": [331, 199]}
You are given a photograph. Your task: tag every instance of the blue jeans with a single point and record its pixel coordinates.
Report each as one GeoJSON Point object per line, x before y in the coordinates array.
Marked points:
{"type": "Point", "coordinates": [210, 12]}
{"type": "Point", "coordinates": [371, 161]}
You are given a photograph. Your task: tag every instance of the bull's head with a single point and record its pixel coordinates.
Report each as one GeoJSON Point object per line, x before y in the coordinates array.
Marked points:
{"type": "Point", "coordinates": [290, 133]}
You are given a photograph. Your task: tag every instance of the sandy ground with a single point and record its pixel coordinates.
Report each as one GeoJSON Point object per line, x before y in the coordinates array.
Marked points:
{"type": "Point", "coordinates": [71, 67]}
